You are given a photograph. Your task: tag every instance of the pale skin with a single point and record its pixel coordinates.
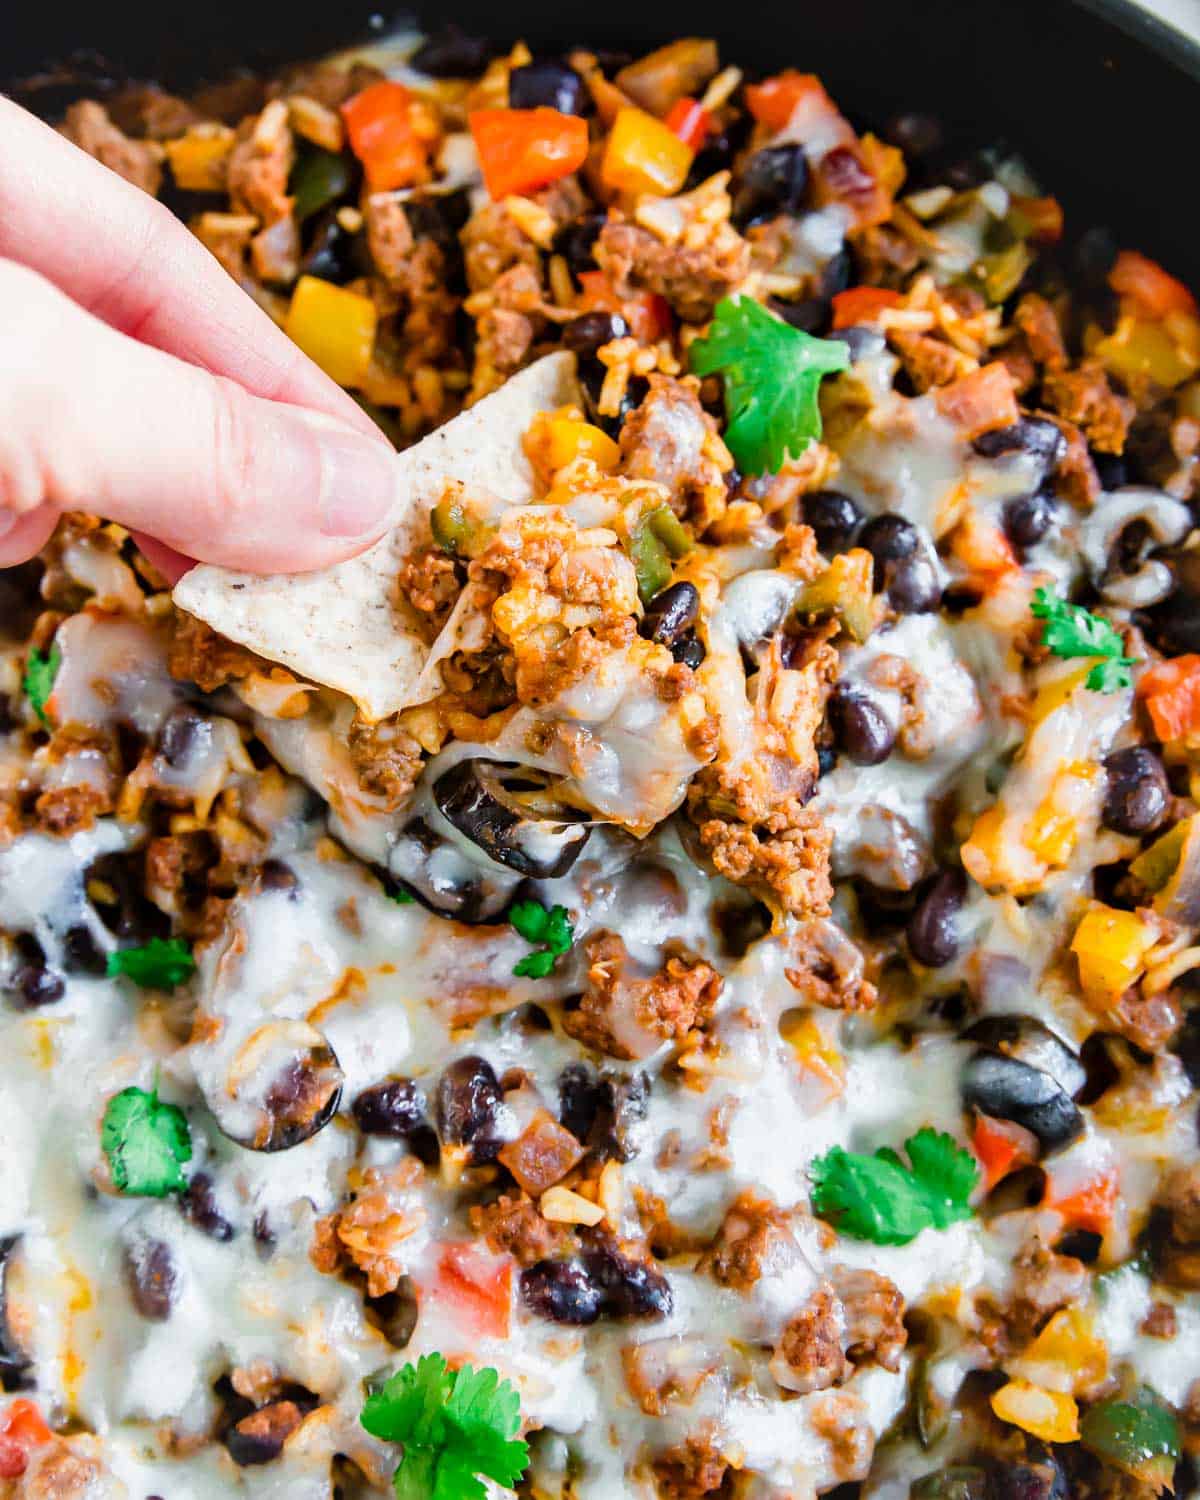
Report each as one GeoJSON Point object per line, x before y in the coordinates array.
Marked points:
{"type": "Point", "coordinates": [137, 381]}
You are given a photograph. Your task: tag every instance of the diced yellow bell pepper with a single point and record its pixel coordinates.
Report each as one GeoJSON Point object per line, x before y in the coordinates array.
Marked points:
{"type": "Point", "coordinates": [1140, 347]}
{"type": "Point", "coordinates": [1057, 691]}
{"type": "Point", "coordinates": [198, 158]}
{"type": "Point", "coordinates": [643, 156]}
{"type": "Point", "coordinates": [844, 589]}
{"type": "Point", "coordinates": [334, 327]}
{"type": "Point", "coordinates": [1066, 1356]}
{"type": "Point", "coordinates": [1049, 1415]}
{"type": "Point", "coordinates": [566, 440]}
{"type": "Point", "coordinates": [1110, 946]}
{"type": "Point", "coordinates": [1055, 825]}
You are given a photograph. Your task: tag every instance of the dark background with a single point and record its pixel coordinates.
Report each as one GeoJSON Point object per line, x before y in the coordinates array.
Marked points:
{"type": "Point", "coordinates": [1103, 100]}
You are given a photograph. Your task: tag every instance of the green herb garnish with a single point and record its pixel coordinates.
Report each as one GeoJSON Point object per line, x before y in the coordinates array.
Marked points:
{"type": "Point", "coordinates": [454, 1425]}
{"type": "Point", "coordinates": [551, 929]}
{"type": "Point", "coordinates": [160, 964]}
{"type": "Point", "coordinates": [1071, 630]}
{"type": "Point", "coordinates": [402, 897]}
{"type": "Point", "coordinates": [41, 668]}
{"type": "Point", "coordinates": [878, 1198]}
{"type": "Point", "coordinates": [772, 375]}
{"type": "Point", "coordinates": [146, 1143]}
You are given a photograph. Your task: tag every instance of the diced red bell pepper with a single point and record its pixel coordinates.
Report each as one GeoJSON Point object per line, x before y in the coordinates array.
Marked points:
{"type": "Point", "coordinates": [1143, 281]}
{"type": "Point", "coordinates": [979, 402]}
{"type": "Point", "coordinates": [862, 304]}
{"type": "Point", "coordinates": [649, 316]}
{"type": "Point", "coordinates": [690, 121]}
{"type": "Point", "coordinates": [1089, 1207]}
{"type": "Point", "coordinates": [379, 124]}
{"type": "Point", "coordinates": [22, 1429]}
{"type": "Point", "coordinates": [798, 99]}
{"type": "Point", "coordinates": [1001, 1147]}
{"type": "Point", "coordinates": [521, 150]}
{"type": "Point", "coordinates": [478, 1286]}
{"type": "Point", "coordinates": [1171, 693]}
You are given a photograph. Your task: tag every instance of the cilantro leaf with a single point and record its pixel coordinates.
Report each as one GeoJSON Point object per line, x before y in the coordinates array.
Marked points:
{"type": "Point", "coordinates": [454, 1425]}
{"type": "Point", "coordinates": [146, 1143]}
{"type": "Point", "coordinates": [1070, 631]}
{"type": "Point", "coordinates": [160, 964]}
{"type": "Point", "coordinates": [552, 929]}
{"type": "Point", "coordinates": [880, 1199]}
{"type": "Point", "coordinates": [772, 375]}
{"type": "Point", "coordinates": [41, 668]}
{"type": "Point", "coordinates": [402, 897]}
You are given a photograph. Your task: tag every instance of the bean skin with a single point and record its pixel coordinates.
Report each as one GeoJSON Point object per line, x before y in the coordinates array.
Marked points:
{"type": "Point", "coordinates": [1138, 795]}
{"type": "Point", "coordinates": [932, 936]}
{"type": "Point", "coordinates": [861, 728]}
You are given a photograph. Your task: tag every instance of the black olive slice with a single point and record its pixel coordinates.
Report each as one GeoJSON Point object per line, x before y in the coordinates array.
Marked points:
{"type": "Point", "coordinates": [505, 811]}
{"type": "Point", "coordinates": [15, 1365]}
{"type": "Point", "coordinates": [1008, 1089]}
{"type": "Point", "coordinates": [283, 1086]}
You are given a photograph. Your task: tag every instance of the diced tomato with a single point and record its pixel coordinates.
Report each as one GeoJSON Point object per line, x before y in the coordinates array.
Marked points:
{"type": "Point", "coordinates": [1001, 1147]}
{"type": "Point", "coordinates": [521, 150]}
{"type": "Point", "coordinates": [1089, 1207]}
{"type": "Point", "coordinates": [22, 1429]}
{"type": "Point", "coordinates": [862, 304]}
{"type": "Point", "coordinates": [979, 402]}
{"type": "Point", "coordinates": [649, 316]}
{"type": "Point", "coordinates": [1171, 693]}
{"type": "Point", "coordinates": [983, 549]}
{"type": "Point", "coordinates": [1144, 282]}
{"type": "Point", "coordinates": [690, 121]}
{"type": "Point", "coordinates": [478, 1286]}
{"type": "Point", "coordinates": [380, 126]}
{"type": "Point", "coordinates": [793, 98]}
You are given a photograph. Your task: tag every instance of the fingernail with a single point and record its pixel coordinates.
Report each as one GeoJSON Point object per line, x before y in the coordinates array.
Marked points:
{"type": "Point", "coordinates": [358, 484]}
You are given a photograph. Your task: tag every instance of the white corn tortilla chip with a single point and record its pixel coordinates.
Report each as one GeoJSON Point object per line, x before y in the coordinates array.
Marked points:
{"type": "Point", "coordinates": [341, 627]}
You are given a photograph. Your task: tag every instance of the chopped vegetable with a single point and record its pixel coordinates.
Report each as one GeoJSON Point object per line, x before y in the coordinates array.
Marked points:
{"type": "Point", "coordinates": [1144, 282]}
{"type": "Point", "coordinates": [1068, 1355]}
{"type": "Point", "coordinates": [1171, 693]}
{"type": "Point", "coordinates": [657, 538]}
{"type": "Point", "coordinates": [1088, 1207]}
{"type": "Point", "coordinates": [1146, 349]}
{"type": "Point", "coordinates": [335, 327]}
{"type": "Point", "coordinates": [643, 155]}
{"type": "Point", "coordinates": [41, 668]}
{"type": "Point", "coordinates": [22, 1429]}
{"type": "Point", "coordinates": [478, 1286]}
{"type": "Point", "coordinates": [649, 316]}
{"type": "Point", "coordinates": [1170, 868]}
{"type": "Point", "coordinates": [844, 589]}
{"type": "Point", "coordinates": [521, 150]}
{"type": "Point", "coordinates": [659, 79]}
{"type": "Point", "coordinates": [1072, 631]}
{"type": "Point", "coordinates": [1001, 1147]}
{"type": "Point", "coordinates": [1110, 946]}
{"type": "Point", "coordinates": [146, 1143]}
{"type": "Point", "coordinates": [160, 964]}
{"type": "Point", "coordinates": [878, 1198]}
{"type": "Point", "coordinates": [1038, 219]}
{"type": "Point", "coordinates": [381, 124]}
{"type": "Point", "coordinates": [1049, 1415]}
{"type": "Point", "coordinates": [457, 527]}
{"type": "Point", "coordinates": [862, 304]}
{"type": "Point", "coordinates": [551, 930]}
{"type": "Point", "coordinates": [1138, 1435]}
{"type": "Point", "coordinates": [775, 101]}
{"type": "Point", "coordinates": [198, 158]}
{"type": "Point", "coordinates": [318, 179]}
{"type": "Point", "coordinates": [566, 440]}
{"type": "Point", "coordinates": [691, 122]}
{"type": "Point", "coordinates": [772, 375]}
{"type": "Point", "coordinates": [453, 1426]}
{"type": "Point", "coordinates": [980, 402]}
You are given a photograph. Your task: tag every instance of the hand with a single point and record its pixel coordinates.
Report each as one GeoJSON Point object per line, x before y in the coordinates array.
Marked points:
{"type": "Point", "coordinates": [138, 381]}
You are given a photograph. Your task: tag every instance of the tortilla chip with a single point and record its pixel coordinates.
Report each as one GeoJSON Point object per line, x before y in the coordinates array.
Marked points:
{"type": "Point", "coordinates": [342, 626]}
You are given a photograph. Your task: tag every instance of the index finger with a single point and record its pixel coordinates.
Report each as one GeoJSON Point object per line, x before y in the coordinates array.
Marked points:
{"type": "Point", "coordinates": [128, 260]}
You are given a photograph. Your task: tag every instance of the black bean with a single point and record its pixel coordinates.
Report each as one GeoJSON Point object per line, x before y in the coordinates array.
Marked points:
{"type": "Point", "coordinates": [468, 1103]}
{"type": "Point", "coordinates": [579, 1098]}
{"type": "Point", "coordinates": [915, 134]}
{"type": "Point", "coordinates": [689, 650]}
{"type": "Point", "coordinates": [131, 915]}
{"type": "Point", "coordinates": [859, 340]}
{"type": "Point", "coordinates": [32, 983]}
{"type": "Point", "coordinates": [259, 1438]}
{"type": "Point", "coordinates": [1036, 436]}
{"type": "Point", "coordinates": [812, 315]}
{"type": "Point", "coordinates": [588, 332]}
{"type": "Point", "coordinates": [834, 518]}
{"type": "Point", "coordinates": [631, 1287]}
{"type": "Point", "coordinates": [331, 253]}
{"type": "Point", "coordinates": [81, 953]}
{"type": "Point", "coordinates": [394, 1313]}
{"type": "Point", "coordinates": [826, 759]}
{"type": "Point", "coordinates": [552, 85]}
{"type": "Point", "coordinates": [838, 273]}
{"type": "Point", "coordinates": [1112, 470]}
{"type": "Point", "coordinates": [562, 1291]}
{"type": "Point", "coordinates": [1095, 252]}
{"type": "Point", "coordinates": [576, 242]}
{"type": "Point", "coordinates": [1138, 795]}
{"type": "Point", "coordinates": [862, 730]}
{"type": "Point", "coordinates": [670, 613]}
{"type": "Point", "coordinates": [932, 929]}
{"type": "Point", "coordinates": [264, 1236]}
{"type": "Point", "coordinates": [1027, 518]}
{"type": "Point", "coordinates": [1174, 625]}
{"type": "Point", "coordinates": [394, 1108]}
{"type": "Point", "coordinates": [1187, 1045]}
{"type": "Point", "coordinates": [183, 734]}
{"type": "Point", "coordinates": [888, 538]}
{"type": "Point", "coordinates": [1025, 1481]}
{"type": "Point", "coordinates": [15, 1365]}
{"type": "Point", "coordinates": [152, 1279]}
{"type": "Point", "coordinates": [591, 377]}
{"type": "Point", "coordinates": [198, 1205]}
{"type": "Point", "coordinates": [276, 875]}
{"type": "Point", "coordinates": [452, 53]}
{"type": "Point", "coordinates": [772, 182]}
{"type": "Point", "coordinates": [624, 1102]}
{"type": "Point", "coordinates": [913, 587]}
